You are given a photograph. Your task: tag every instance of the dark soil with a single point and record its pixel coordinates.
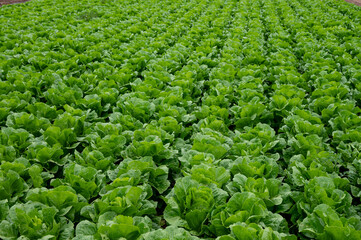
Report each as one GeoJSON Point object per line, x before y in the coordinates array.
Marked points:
{"type": "Point", "coordinates": [4, 2]}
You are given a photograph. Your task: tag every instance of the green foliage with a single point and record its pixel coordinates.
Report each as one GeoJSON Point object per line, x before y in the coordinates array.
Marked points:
{"type": "Point", "coordinates": [185, 120]}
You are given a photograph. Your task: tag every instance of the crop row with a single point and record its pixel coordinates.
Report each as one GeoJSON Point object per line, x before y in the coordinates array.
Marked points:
{"type": "Point", "coordinates": [211, 119]}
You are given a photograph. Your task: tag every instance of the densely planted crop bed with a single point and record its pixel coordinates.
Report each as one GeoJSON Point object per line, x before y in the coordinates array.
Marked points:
{"type": "Point", "coordinates": [173, 119]}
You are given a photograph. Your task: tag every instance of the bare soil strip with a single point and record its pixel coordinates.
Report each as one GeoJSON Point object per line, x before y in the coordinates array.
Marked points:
{"type": "Point", "coordinates": [5, 2]}
{"type": "Point", "coordinates": [356, 2]}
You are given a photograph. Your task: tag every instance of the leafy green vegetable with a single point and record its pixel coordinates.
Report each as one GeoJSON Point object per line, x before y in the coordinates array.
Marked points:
{"type": "Point", "coordinates": [172, 119]}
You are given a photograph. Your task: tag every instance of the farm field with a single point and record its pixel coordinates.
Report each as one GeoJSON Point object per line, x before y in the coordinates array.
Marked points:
{"type": "Point", "coordinates": [184, 120]}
